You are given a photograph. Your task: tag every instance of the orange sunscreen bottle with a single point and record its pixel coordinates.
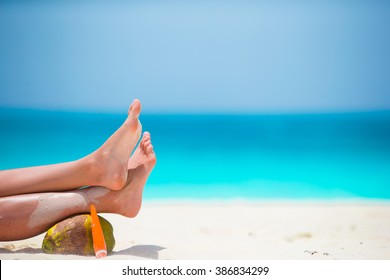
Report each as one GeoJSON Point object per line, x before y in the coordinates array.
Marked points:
{"type": "Point", "coordinates": [99, 244]}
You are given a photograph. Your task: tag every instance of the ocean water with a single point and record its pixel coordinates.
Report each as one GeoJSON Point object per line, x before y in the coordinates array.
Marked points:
{"type": "Point", "coordinates": [303, 156]}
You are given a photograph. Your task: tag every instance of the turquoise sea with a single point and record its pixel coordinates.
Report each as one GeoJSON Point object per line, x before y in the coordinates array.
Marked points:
{"type": "Point", "coordinates": [300, 156]}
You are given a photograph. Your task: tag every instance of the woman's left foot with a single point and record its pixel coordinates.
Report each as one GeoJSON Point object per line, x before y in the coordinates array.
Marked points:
{"type": "Point", "coordinates": [108, 164]}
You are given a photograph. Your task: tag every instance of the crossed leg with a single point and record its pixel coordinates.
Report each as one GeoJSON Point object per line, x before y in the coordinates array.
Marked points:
{"type": "Point", "coordinates": [26, 215]}
{"type": "Point", "coordinates": [106, 167]}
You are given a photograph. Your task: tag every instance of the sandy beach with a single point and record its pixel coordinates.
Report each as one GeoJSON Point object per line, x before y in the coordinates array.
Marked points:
{"type": "Point", "coordinates": [185, 230]}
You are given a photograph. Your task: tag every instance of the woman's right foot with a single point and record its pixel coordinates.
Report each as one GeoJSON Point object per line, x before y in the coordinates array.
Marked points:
{"type": "Point", "coordinates": [108, 165]}
{"type": "Point", "coordinates": [127, 201]}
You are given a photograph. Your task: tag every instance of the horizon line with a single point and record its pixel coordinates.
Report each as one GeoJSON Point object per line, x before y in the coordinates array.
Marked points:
{"type": "Point", "coordinates": [200, 112]}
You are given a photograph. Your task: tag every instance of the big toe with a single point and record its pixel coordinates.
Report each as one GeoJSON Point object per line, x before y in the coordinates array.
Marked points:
{"type": "Point", "coordinates": [135, 108]}
{"type": "Point", "coordinates": [145, 137]}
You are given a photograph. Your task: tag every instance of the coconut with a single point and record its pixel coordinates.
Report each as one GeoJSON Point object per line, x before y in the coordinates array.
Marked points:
{"type": "Point", "coordinates": [74, 236]}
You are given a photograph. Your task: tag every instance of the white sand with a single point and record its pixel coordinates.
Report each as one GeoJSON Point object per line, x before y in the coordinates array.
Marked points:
{"type": "Point", "coordinates": [241, 230]}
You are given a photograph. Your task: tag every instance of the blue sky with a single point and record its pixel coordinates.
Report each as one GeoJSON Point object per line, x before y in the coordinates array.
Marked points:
{"type": "Point", "coordinates": [196, 56]}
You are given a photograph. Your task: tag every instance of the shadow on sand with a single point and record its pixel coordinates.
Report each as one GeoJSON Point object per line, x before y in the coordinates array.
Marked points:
{"type": "Point", "coordinates": [144, 251]}
{"type": "Point", "coordinates": [26, 250]}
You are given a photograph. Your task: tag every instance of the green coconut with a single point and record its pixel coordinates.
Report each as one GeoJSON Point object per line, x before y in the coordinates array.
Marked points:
{"type": "Point", "coordinates": [74, 236]}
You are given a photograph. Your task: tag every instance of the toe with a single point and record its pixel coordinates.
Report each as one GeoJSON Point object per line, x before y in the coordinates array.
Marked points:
{"type": "Point", "coordinates": [135, 108]}
{"type": "Point", "coordinates": [147, 143]}
{"type": "Point", "coordinates": [146, 136]}
{"type": "Point", "coordinates": [149, 149]}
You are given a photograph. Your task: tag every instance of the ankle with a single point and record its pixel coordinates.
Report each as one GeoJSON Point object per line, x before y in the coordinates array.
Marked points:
{"type": "Point", "coordinates": [106, 171]}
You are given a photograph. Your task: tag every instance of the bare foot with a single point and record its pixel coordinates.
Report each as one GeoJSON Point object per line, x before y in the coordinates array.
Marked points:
{"type": "Point", "coordinates": [140, 166]}
{"type": "Point", "coordinates": [144, 149]}
{"type": "Point", "coordinates": [109, 163]}
{"type": "Point", "coordinates": [127, 201]}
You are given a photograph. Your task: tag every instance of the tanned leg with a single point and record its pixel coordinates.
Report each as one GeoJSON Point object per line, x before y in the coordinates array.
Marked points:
{"type": "Point", "coordinates": [27, 215]}
{"type": "Point", "coordinates": [106, 167]}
